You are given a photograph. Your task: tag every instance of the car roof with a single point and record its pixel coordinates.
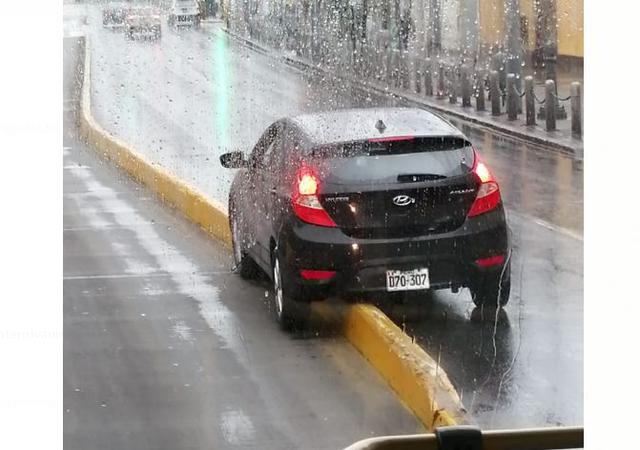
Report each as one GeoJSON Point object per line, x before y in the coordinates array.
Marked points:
{"type": "Point", "coordinates": [348, 125]}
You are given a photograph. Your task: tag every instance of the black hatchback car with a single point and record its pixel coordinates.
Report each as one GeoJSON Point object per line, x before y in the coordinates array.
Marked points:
{"type": "Point", "coordinates": [362, 200]}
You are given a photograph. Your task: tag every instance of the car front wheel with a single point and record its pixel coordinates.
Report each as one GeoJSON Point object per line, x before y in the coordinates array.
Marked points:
{"type": "Point", "coordinates": [244, 264]}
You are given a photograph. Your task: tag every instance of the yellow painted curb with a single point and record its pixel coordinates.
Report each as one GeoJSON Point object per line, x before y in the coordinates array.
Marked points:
{"type": "Point", "coordinates": [417, 379]}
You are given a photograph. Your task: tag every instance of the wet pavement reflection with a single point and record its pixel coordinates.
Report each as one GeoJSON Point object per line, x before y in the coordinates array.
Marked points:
{"type": "Point", "coordinates": [197, 94]}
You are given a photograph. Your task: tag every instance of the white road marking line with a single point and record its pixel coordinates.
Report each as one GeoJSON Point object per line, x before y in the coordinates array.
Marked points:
{"type": "Point", "coordinates": [558, 229]}
{"type": "Point", "coordinates": [133, 275]}
{"type": "Point", "coordinates": [79, 229]}
{"type": "Point", "coordinates": [74, 167]}
{"type": "Point", "coordinates": [184, 273]}
{"type": "Point", "coordinates": [182, 331]}
{"type": "Point", "coordinates": [236, 427]}
{"type": "Point", "coordinates": [547, 225]}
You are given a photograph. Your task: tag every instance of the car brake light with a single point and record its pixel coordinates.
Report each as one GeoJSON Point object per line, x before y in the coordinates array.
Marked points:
{"type": "Point", "coordinates": [392, 139]}
{"type": "Point", "coordinates": [317, 274]}
{"type": "Point", "coordinates": [306, 204]}
{"type": "Point", "coordinates": [488, 196]}
{"type": "Point", "coordinates": [490, 261]}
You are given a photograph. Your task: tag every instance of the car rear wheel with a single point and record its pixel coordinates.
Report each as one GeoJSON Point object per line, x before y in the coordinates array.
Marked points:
{"type": "Point", "coordinates": [492, 290]}
{"type": "Point", "coordinates": [292, 312]}
{"type": "Point", "coordinates": [245, 265]}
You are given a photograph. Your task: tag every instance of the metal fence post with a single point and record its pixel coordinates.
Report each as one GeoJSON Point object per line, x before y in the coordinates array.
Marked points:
{"type": "Point", "coordinates": [576, 108]}
{"type": "Point", "coordinates": [512, 107]}
{"type": "Point", "coordinates": [494, 91]}
{"type": "Point", "coordinates": [529, 100]}
{"type": "Point", "coordinates": [549, 104]}
{"type": "Point", "coordinates": [388, 66]}
{"type": "Point", "coordinates": [480, 92]}
{"type": "Point", "coordinates": [417, 70]}
{"type": "Point", "coordinates": [394, 69]}
{"type": "Point", "coordinates": [428, 81]}
{"type": "Point", "coordinates": [466, 86]}
{"type": "Point", "coordinates": [499, 64]}
{"type": "Point", "coordinates": [453, 95]}
{"type": "Point", "coordinates": [440, 88]}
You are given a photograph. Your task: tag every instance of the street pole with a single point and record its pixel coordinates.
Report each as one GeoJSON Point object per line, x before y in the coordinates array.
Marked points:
{"type": "Point", "coordinates": [550, 54]}
{"type": "Point", "coordinates": [435, 34]}
{"type": "Point", "coordinates": [514, 40]}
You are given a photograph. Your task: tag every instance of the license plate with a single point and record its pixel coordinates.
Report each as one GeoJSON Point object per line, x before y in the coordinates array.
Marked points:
{"type": "Point", "coordinates": [407, 280]}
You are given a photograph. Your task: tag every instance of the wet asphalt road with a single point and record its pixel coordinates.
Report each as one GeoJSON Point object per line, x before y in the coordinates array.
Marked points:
{"type": "Point", "coordinates": [166, 348]}
{"type": "Point", "coordinates": [196, 94]}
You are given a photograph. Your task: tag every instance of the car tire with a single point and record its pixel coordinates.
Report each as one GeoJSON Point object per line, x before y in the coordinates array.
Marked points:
{"type": "Point", "coordinates": [492, 290]}
{"type": "Point", "coordinates": [291, 310]}
{"type": "Point", "coordinates": [245, 265]}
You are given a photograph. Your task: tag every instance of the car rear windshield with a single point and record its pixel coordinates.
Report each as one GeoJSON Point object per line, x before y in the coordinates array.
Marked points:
{"type": "Point", "coordinates": [391, 146]}
{"type": "Point", "coordinates": [428, 158]}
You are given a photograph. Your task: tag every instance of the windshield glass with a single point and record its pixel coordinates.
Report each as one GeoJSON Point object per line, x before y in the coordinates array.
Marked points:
{"type": "Point", "coordinates": [298, 224]}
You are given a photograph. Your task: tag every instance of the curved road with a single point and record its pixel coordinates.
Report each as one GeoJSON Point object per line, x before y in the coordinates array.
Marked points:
{"type": "Point", "coordinates": [166, 348]}
{"type": "Point", "coordinates": [196, 94]}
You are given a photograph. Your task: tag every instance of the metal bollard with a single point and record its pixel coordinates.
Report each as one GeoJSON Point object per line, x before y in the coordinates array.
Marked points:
{"type": "Point", "coordinates": [395, 79]}
{"type": "Point", "coordinates": [428, 81]}
{"type": "Point", "coordinates": [466, 86]}
{"type": "Point", "coordinates": [494, 91]}
{"type": "Point", "coordinates": [499, 64]}
{"type": "Point", "coordinates": [512, 106]}
{"type": "Point", "coordinates": [388, 66]}
{"type": "Point", "coordinates": [451, 86]}
{"type": "Point", "coordinates": [576, 108]}
{"type": "Point", "coordinates": [529, 100]}
{"type": "Point", "coordinates": [440, 88]}
{"type": "Point", "coordinates": [480, 93]}
{"type": "Point", "coordinates": [549, 104]}
{"type": "Point", "coordinates": [405, 65]}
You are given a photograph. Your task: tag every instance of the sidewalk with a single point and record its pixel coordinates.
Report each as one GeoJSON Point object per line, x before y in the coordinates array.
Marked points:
{"type": "Point", "coordinates": [560, 140]}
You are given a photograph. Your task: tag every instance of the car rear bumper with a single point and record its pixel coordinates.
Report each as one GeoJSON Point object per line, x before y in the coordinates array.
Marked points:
{"type": "Point", "coordinates": [361, 264]}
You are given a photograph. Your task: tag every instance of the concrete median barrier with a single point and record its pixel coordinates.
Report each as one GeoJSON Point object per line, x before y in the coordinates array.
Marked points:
{"type": "Point", "coordinates": [417, 379]}
{"type": "Point", "coordinates": [207, 213]}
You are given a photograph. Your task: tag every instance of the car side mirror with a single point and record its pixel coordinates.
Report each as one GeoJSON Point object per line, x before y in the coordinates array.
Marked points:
{"type": "Point", "coordinates": [233, 160]}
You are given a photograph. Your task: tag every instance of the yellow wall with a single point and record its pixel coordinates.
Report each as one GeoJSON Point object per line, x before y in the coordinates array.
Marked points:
{"type": "Point", "coordinates": [527, 9]}
{"type": "Point", "coordinates": [492, 27]}
{"type": "Point", "coordinates": [570, 24]}
{"type": "Point", "coordinates": [570, 27]}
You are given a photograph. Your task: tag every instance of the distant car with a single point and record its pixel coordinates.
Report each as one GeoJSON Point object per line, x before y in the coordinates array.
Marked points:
{"type": "Point", "coordinates": [114, 13]}
{"type": "Point", "coordinates": [367, 200]}
{"type": "Point", "coordinates": [184, 13]}
{"type": "Point", "coordinates": [143, 23]}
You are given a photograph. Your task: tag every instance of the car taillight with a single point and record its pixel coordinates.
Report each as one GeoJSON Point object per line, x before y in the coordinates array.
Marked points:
{"type": "Point", "coordinates": [490, 261]}
{"type": "Point", "coordinates": [308, 274]}
{"type": "Point", "coordinates": [488, 196]}
{"type": "Point", "coordinates": [306, 204]}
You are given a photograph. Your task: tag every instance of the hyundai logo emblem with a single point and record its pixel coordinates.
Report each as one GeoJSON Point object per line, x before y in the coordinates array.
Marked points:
{"type": "Point", "coordinates": [403, 200]}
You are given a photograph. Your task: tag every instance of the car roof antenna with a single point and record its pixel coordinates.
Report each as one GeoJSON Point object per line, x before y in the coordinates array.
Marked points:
{"type": "Point", "coordinates": [380, 126]}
